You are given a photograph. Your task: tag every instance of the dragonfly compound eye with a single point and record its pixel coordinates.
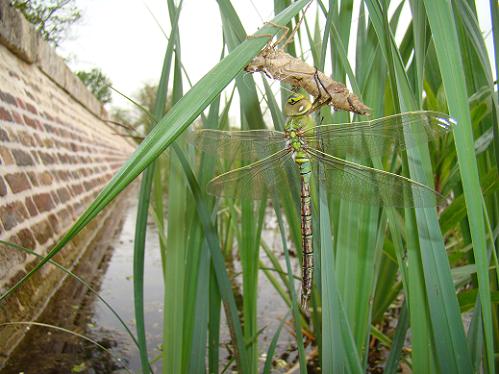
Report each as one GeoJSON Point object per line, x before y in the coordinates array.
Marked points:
{"type": "Point", "coordinates": [293, 99]}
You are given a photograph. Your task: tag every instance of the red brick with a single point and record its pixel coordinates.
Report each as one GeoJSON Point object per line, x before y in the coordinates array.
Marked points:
{"type": "Point", "coordinates": [63, 175]}
{"type": "Point", "coordinates": [48, 116]}
{"type": "Point", "coordinates": [31, 108]}
{"type": "Point", "coordinates": [72, 212]}
{"type": "Point", "coordinates": [3, 187]}
{"type": "Point", "coordinates": [26, 139]}
{"type": "Point", "coordinates": [63, 158]}
{"type": "Point", "coordinates": [78, 208]}
{"type": "Point", "coordinates": [38, 139]}
{"type": "Point", "coordinates": [42, 231]}
{"type": "Point", "coordinates": [5, 115]}
{"type": "Point", "coordinates": [31, 122]}
{"type": "Point", "coordinates": [18, 182]}
{"type": "Point", "coordinates": [22, 158]}
{"type": "Point", "coordinates": [55, 223]}
{"type": "Point", "coordinates": [51, 129]}
{"type": "Point", "coordinates": [45, 178]}
{"type": "Point", "coordinates": [3, 136]}
{"type": "Point", "coordinates": [10, 255]}
{"type": "Point", "coordinates": [12, 134]}
{"type": "Point", "coordinates": [77, 189]}
{"type": "Point", "coordinates": [33, 178]}
{"type": "Point", "coordinates": [12, 214]}
{"type": "Point", "coordinates": [6, 156]}
{"type": "Point", "coordinates": [8, 98]}
{"type": "Point", "coordinates": [20, 103]}
{"type": "Point", "coordinates": [47, 159]}
{"type": "Point", "coordinates": [30, 206]}
{"type": "Point", "coordinates": [64, 216]}
{"type": "Point", "coordinates": [48, 143]}
{"type": "Point", "coordinates": [17, 118]}
{"type": "Point", "coordinates": [26, 238]}
{"type": "Point", "coordinates": [43, 202]}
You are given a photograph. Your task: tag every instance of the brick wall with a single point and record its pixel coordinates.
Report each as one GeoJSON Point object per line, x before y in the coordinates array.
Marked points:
{"type": "Point", "coordinates": [56, 154]}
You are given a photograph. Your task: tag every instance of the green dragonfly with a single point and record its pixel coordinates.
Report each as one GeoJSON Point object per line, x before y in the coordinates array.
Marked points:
{"type": "Point", "coordinates": [276, 157]}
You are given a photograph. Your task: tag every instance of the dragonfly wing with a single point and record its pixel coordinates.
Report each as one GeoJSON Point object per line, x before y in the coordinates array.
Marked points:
{"type": "Point", "coordinates": [374, 137]}
{"type": "Point", "coordinates": [238, 145]}
{"type": "Point", "coordinates": [254, 180]}
{"type": "Point", "coordinates": [362, 184]}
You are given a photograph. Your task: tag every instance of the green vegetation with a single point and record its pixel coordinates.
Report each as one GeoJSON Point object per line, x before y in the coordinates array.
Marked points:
{"type": "Point", "coordinates": [51, 18]}
{"type": "Point", "coordinates": [97, 83]}
{"type": "Point", "coordinates": [383, 275]}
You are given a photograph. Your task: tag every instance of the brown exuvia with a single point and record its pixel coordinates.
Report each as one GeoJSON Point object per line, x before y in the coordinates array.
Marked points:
{"type": "Point", "coordinates": [277, 64]}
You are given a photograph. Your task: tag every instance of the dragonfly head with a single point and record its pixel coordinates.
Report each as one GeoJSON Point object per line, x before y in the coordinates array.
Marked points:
{"type": "Point", "coordinates": [256, 65]}
{"type": "Point", "coordinates": [297, 105]}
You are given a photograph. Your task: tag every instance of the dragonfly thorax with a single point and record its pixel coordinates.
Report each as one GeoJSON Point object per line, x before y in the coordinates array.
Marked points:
{"type": "Point", "coordinates": [295, 140]}
{"type": "Point", "coordinates": [297, 124]}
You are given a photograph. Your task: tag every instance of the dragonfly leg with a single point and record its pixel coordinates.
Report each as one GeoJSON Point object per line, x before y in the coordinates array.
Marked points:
{"type": "Point", "coordinates": [292, 35]}
{"type": "Point", "coordinates": [285, 32]}
{"type": "Point", "coordinates": [319, 100]}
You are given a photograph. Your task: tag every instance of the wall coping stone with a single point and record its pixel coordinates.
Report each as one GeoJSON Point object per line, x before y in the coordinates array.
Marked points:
{"type": "Point", "coordinates": [21, 38]}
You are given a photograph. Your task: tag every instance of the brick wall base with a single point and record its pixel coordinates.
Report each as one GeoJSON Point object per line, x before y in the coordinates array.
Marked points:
{"type": "Point", "coordinates": [30, 300]}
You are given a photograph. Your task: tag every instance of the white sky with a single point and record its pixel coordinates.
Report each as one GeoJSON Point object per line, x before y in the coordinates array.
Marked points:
{"type": "Point", "coordinates": [122, 38]}
{"type": "Point", "coordinates": [129, 46]}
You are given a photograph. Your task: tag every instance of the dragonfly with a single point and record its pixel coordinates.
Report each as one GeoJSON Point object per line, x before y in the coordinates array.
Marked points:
{"type": "Point", "coordinates": [277, 157]}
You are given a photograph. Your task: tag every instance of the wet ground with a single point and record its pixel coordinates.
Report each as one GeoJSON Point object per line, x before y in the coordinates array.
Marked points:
{"type": "Point", "coordinates": [45, 350]}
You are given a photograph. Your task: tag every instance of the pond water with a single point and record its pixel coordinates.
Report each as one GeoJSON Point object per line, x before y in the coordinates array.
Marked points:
{"type": "Point", "coordinates": [74, 308]}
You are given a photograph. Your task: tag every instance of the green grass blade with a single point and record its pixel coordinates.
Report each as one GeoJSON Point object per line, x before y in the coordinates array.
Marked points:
{"type": "Point", "coordinates": [138, 263]}
{"type": "Point", "coordinates": [339, 351]}
{"type": "Point", "coordinates": [143, 207]}
{"type": "Point", "coordinates": [267, 368]}
{"type": "Point", "coordinates": [213, 324]}
{"type": "Point", "coordinates": [392, 364]}
{"type": "Point", "coordinates": [197, 360]}
{"type": "Point", "coordinates": [176, 343]}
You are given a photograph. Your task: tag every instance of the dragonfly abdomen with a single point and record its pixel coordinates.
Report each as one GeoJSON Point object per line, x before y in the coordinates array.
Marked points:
{"type": "Point", "coordinates": [306, 227]}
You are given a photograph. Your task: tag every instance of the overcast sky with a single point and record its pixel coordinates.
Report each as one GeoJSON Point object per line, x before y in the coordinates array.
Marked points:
{"type": "Point", "coordinates": [122, 38]}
